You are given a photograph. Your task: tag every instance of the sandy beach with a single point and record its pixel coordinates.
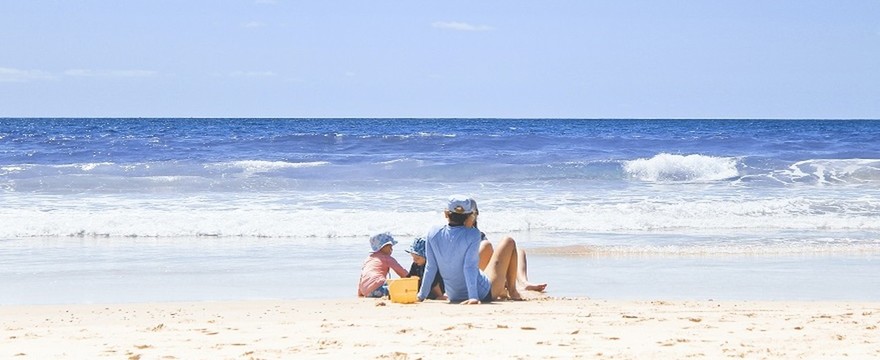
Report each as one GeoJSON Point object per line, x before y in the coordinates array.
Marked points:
{"type": "Point", "coordinates": [541, 327]}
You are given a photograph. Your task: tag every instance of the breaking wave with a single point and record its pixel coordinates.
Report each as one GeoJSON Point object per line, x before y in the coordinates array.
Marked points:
{"type": "Point", "coordinates": [688, 168]}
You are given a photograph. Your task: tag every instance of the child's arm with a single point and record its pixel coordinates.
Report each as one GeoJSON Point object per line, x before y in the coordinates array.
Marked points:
{"type": "Point", "coordinates": [401, 272]}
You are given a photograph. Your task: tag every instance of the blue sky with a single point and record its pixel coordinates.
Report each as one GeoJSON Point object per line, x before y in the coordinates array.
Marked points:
{"type": "Point", "coordinates": [508, 59]}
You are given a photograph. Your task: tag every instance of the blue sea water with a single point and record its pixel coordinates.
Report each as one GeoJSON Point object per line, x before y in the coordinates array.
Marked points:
{"type": "Point", "coordinates": [97, 208]}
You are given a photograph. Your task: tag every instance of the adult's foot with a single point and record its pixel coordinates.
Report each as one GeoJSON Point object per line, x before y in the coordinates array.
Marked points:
{"type": "Point", "coordinates": [536, 287]}
{"type": "Point", "coordinates": [514, 295]}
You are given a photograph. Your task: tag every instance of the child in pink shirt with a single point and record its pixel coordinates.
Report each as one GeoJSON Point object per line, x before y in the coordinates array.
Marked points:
{"type": "Point", "coordinates": [377, 265]}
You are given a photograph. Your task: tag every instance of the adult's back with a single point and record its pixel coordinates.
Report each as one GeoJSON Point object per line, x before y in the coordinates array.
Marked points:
{"type": "Point", "coordinates": [454, 251]}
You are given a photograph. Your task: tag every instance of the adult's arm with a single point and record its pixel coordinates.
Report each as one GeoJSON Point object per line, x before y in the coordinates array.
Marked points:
{"type": "Point", "coordinates": [471, 266]}
{"type": "Point", "coordinates": [430, 270]}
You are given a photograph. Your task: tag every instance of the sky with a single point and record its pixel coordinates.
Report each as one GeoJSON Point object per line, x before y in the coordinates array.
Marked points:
{"type": "Point", "coordinates": [472, 59]}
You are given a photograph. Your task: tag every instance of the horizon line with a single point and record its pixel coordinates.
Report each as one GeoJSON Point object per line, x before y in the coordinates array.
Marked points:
{"type": "Point", "coordinates": [427, 118]}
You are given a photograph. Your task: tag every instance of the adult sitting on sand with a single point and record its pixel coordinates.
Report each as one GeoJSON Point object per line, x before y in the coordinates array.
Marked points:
{"type": "Point", "coordinates": [486, 251]}
{"type": "Point", "coordinates": [453, 249]}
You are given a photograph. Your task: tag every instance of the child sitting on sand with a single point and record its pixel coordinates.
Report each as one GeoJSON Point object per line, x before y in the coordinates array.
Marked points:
{"type": "Point", "coordinates": [417, 250]}
{"type": "Point", "coordinates": [377, 265]}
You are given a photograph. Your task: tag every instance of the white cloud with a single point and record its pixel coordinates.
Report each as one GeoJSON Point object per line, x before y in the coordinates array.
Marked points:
{"type": "Point", "coordinates": [460, 26]}
{"type": "Point", "coordinates": [18, 75]}
{"type": "Point", "coordinates": [252, 74]}
{"type": "Point", "coordinates": [254, 24]}
{"type": "Point", "coordinates": [111, 73]}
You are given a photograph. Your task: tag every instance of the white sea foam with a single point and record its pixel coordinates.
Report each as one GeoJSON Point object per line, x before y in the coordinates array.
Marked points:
{"type": "Point", "coordinates": [251, 167]}
{"type": "Point", "coordinates": [670, 167]}
{"type": "Point", "coordinates": [411, 136]}
{"type": "Point", "coordinates": [401, 163]}
{"type": "Point", "coordinates": [85, 166]}
{"type": "Point", "coordinates": [13, 168]}
{"type": "Point", "coordinates": [775, 222]}
{"type": "Point", "coordinates": [832, 171]}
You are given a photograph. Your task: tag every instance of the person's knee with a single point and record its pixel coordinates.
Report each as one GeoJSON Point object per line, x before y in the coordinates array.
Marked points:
{"type": "Point", "coordinates": [507, 244]}
{"type": "Point", "coordinates": [507, 241]}
{"type": "Point", "coordinates": [485, 245]}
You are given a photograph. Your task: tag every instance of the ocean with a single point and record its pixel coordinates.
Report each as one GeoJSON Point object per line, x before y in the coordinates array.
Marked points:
{"type": "Point", "coordinates": [129, 210]}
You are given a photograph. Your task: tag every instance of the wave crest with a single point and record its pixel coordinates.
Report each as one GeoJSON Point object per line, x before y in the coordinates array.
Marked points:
{"type": "Point", "coordinates": [665, 167]}
{"type": "Point", "coordinates": [251, 167]}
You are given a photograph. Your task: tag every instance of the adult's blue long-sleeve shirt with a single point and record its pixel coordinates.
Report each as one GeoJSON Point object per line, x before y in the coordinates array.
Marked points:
{"type": "Point", "coordinates": [455, 252]}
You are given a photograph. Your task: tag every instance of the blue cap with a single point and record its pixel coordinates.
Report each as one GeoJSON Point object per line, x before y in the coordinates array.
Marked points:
{"type": "Point", "coordinates": [380, 240]}
{"type": "Point", "coordinates": [417, 247]}
{"type": "Point", "coordinates": [460, 204]}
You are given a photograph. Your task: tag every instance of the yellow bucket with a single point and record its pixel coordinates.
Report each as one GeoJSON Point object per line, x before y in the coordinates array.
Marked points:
{"type": "Point", "coordinates": [404, 290]}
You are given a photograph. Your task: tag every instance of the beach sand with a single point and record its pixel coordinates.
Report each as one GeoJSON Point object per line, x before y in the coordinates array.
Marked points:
{"type": "Point", "coordinates": [541, 327]}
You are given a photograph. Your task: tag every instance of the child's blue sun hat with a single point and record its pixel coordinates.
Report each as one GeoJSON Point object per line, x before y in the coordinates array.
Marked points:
{"type": "Point", "coordinates": [379, 240]}
{"type": "Point", "coordinates": [417, 247]}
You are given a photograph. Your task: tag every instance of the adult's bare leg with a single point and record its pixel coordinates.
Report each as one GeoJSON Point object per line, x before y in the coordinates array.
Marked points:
{"type": "Point", "coordinates": [522, 277]}
{"type": "Point", "coordinates": [502, 270]}
{"type": "Point", "coordinates": [486, 251]}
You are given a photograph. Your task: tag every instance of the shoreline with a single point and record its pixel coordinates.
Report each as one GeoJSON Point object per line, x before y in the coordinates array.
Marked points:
{"type": "Point", "coordinates": [541, 327]}
{"type": "Point", "coordinates": [72, 271]}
